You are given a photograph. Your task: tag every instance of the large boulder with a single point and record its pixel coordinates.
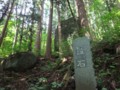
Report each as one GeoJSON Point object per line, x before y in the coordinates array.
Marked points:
{"type": "Point", "coordinates": [19, 61]}
{"type": "Point", "coordinates": [69, 28]}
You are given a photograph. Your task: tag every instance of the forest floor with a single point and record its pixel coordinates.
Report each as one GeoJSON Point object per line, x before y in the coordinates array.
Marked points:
{"type": "Point", "coordinates": [46, 75]}
{"type": "Point", "coordinates": [56, 74]}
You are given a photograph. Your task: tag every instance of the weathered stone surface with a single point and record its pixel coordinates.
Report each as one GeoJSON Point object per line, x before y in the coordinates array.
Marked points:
{"type": "Point", "coordinates": [68, 28]}
{"type": "Point", "coordinates": [19, 61]}
{"type": "Point", "coordinates": [84, 72]}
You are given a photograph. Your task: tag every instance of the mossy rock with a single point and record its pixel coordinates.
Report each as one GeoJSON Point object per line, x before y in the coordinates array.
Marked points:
{"type": "Point", "coordinates": [69, 29]}
{"type": "Point", "coordinates": [20, 61]}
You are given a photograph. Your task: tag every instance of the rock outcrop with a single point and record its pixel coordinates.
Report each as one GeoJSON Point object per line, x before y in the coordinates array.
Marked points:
{"type": "Point", "coordinates": [20, 61]}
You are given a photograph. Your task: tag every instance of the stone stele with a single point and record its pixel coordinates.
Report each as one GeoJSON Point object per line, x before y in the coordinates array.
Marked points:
{"type": "Point", "coordinates": [84, 72]}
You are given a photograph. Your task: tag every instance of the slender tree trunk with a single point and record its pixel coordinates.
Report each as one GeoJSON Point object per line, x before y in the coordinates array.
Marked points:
{"type": "Point", "coordinates": [71, 10]}
{"type": "Point", "coordinates": [89, 33]}
{"type": "Point", "coordinates": [21, 33]}
{"type": "Point", "coordinates": [44, 39]}
{"type": "Point", "coordinates": [108, 5]}
{"type": "Point", "coordinates": [15, 37]}
{"type": "Point", "coordinates": [49, 37]}
{"type": "Point", "coordinates": [30, 37]}
{"type": "Point", "coordinates": [82, 14]}
{"type": "Point", "coordinates": [73, 14]}
{"type": "Point", "coordinates": [56, 45]}
{"type": "Point", "coordinates": [31, 30]}
{"type": "Point", "coordinates": [17, 28]}
{"type": "Point", "coordinates": [6, 7]}
{"type": "Point", "coordinates": [83, 20]}
{"type": "Point", "coordinates": [6, 23]}
{"type": "Point", "coordinates": [59, 29]}
{"type": "Point", "coordinates": [22, 29]}
{"type": "Point", "coordinates": [39, 31]}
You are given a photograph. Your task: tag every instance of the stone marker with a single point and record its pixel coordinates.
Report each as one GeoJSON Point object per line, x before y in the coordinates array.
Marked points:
{"type": "Point", "coordinates": [84, 72]}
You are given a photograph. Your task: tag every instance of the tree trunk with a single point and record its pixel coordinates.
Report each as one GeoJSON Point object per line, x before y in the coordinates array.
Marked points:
{"type": "Point", "coordinates": [30, 38]}
{"type": "Point", "coordinates": [17, 28]}
{"type": "Point", "coordinates": [59, 29]}
{"type": "Point", "coordinates": [39, 31]}
{"type": "Point", "coordinates": [6, 23]}
{"type": "Point", "coordinates": [21, 32]}
{"type": "Point", "coordinates": [83, 20]}
{"type": "Point", "coordinates": [82, 14]}
{"type": "Point", "coordinates": [73, 14]}
{"type": "Point", "coordinates": [49, 38]}
{"type": "Point", "coordinates": [71, 11]}
{"type": "Point", "coordinates": [6, 7]}
{"type": "Point", "coordinates": [31, 29]}
{"type": "Point", "coordinates": [15, 37]}
{"type": "Point", "coordinates": [108, 5]}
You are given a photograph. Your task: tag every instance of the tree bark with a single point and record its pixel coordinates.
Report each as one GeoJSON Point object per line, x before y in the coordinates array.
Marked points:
{"type": "Point", "coordinates": [6, 7]}
{"type": "Point", "coordinates": [31, 29]}
{"type": "Point", "coordinates": [30, 37]}
{"type": "Point", "coordinates": [71, 10]}
{"type": "Point", "coordinates": [83, 20]}
{"type": "Point", "coordinates": [17, 28]}
{"type": "Point", "coordinates": [108, 5]}
{"type": "Point", "coordinates": [6, 23]}
{"type": "Point", "coordinates": [59, 29]}
{"type": "Point", "coordinates": [49, 38]}
{"type": "Point", "coordinates": [39, 31]}
{"type": "Point", "coordinates": [82, 14]}
{"type": "Point", "coordinates": [73, 14]}
{"type": "Point", "coordinates": [22, 28]}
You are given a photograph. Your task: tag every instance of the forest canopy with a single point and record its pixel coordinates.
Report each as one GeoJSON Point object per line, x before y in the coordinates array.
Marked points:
{"type": "Point", "coordinates": [24, 24]}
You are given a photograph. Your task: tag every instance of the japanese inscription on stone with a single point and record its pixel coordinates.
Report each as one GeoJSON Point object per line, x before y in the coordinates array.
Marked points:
{"type": "Point", "coordinates": [81, 62]}
{"type": "Point", "coordinates": [84, 72]}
